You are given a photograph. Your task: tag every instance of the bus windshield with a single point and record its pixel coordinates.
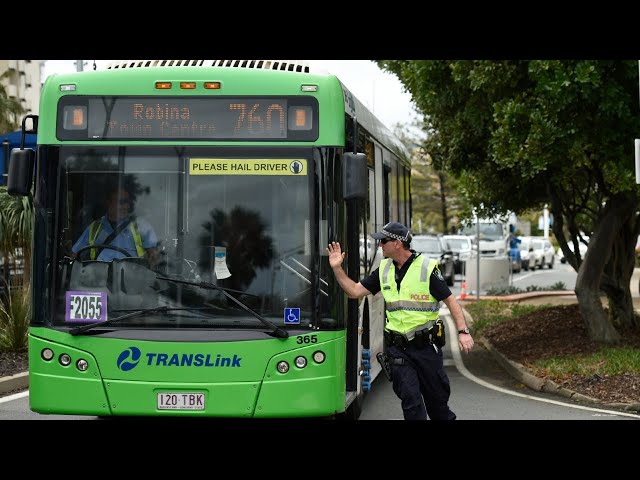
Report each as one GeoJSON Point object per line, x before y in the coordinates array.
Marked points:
{"type": "Point", "coordinates": [238, 222]}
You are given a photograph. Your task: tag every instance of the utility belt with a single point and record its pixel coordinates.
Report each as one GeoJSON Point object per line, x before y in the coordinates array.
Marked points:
{"type": "Point", "coordinates": [418, 338]}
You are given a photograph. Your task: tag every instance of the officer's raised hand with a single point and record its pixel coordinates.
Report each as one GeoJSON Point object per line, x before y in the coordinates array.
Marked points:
{"type": "Point", "coordinates": [336, 255]}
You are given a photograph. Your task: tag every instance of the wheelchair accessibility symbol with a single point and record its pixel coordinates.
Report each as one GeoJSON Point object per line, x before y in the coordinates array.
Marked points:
{"type": "Point", "coordinates": [291, 316]}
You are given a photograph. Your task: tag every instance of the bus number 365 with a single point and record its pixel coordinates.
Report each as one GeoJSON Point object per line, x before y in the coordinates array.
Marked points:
{"type": "Point", "coordinates": [307, 339]}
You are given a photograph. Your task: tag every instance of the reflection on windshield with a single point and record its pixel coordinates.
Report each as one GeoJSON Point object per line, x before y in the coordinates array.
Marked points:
{"type": "Point", "coordinates": [247, 233]}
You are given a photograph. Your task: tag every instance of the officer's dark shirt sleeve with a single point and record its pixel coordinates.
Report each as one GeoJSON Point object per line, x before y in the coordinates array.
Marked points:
{"type": "Point", "coordinates": [438, 288]}
{"type": "Point", "coordinates": [372, 282]}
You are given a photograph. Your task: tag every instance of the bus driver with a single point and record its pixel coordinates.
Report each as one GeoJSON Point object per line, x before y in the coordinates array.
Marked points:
{"type": "Point", "coordinates": [120, 228]}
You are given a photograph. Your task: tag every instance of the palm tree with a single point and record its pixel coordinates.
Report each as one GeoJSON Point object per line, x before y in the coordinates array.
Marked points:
{"type": "Point", "coordinates": [10, 108]}
{"type": "Point", "coordinates": [16, 227]}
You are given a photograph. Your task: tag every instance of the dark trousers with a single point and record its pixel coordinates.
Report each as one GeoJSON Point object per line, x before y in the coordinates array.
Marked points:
{"type": "Point", "coordinates": [421, 382]}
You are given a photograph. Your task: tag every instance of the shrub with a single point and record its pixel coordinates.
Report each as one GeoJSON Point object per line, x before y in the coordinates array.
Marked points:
{"type": "Point", "coordinates": [511, 289]}
{"type": "Point", "coordinates": [486, 313]}
{"type": "Point", "coordinates": [15, 315]}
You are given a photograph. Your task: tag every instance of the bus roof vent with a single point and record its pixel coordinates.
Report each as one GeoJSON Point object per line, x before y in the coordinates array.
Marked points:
{"type": "Point", "coordinates": [284, 65]}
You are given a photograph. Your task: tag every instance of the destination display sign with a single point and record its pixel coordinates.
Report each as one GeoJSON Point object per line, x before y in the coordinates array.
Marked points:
{"type": "Point", "coordinates": [187, 118]}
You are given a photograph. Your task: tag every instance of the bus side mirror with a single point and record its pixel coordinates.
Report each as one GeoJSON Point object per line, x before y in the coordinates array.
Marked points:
{"type": "Point", "coordinates": [21, 172]}
{"type": "Point", "coordinates": [355, 182]}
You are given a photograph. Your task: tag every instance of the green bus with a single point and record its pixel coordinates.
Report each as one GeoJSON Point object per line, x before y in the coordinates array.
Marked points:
{"type": "Point", "coordinates": [245, 171]}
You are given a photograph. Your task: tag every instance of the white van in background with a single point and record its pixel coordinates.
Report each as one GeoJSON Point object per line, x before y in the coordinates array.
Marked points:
{"type": "Point", "coordinates": [493, 237]}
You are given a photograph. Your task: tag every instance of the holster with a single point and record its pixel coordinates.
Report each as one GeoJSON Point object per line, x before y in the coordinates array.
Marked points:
{"type": "Point", "coordinates": [384, 363]}
{"type": "Point", "coordinates": [437, 334]}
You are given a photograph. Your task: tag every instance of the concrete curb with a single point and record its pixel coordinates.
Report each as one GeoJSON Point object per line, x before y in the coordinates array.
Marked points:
{"type": "Point", "coordinates": [19, 381]}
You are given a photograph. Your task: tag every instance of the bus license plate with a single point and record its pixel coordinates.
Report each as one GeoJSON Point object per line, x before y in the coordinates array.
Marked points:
{"type": "Point", "coordinates": [180, 401]}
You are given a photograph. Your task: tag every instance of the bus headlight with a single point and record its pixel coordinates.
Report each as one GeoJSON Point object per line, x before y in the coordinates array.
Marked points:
{"type": "Point", "coordinates": [82, 365]}
{"type": "Point", "coordinates": [46, 354]}
{"type": "Point", "coordinates": [300, 362]}
{"type": "Point", "coordinates": [64, 359]}
{"type": "Point", "coordinates": [319, 356]}
{"type": "Point", "coordinates": [283, 367]}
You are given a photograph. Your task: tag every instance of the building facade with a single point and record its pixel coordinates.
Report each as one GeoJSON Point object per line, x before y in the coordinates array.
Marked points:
{"type": "Point", "coordinates": [23, 82]}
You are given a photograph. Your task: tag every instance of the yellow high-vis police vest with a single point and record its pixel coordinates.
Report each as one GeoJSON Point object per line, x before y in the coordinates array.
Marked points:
{"type": "Point", "coordinates": [95, 227]}
{"type": "Point", "coordinates": [413, 307]}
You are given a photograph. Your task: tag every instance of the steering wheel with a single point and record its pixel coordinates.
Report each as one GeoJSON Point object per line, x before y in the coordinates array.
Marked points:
{"type": "Point", "coordinates": [102, 245]}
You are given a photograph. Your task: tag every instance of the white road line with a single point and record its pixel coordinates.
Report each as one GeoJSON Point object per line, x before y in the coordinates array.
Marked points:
{"type": "Point", "coordinates": [15, 396]}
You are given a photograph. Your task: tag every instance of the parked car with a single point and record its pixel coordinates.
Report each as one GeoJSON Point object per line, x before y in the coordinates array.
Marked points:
{"type": "Point", "coordinates": [434, 247]}
{"type": "Point", "coordinates": [582, 249]}
{"type": "Point", "coordinates": [461, 246]}
{"type": "Point", "coordinates": [545, 254]}
{"type": "Point", "coordinates": [528, 257]}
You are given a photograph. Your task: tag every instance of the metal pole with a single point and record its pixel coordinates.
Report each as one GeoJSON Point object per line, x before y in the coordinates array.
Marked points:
{"type": "Point", "coordinates": [636, 144]}
{"type": "Point", "coordinates": [545, 219]}
{"type": "Point", "coordinates": [6, 150]}
{"type": "Point", "coordinates": [478, 258]}
{"type": "Point", "coordinates": [637, 141]}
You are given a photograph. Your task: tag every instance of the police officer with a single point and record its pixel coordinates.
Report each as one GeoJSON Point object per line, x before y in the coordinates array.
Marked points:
{"type": "Point", "coordinates": [413, 287]}
{"type": "Point", "coordinates": [136, 236]}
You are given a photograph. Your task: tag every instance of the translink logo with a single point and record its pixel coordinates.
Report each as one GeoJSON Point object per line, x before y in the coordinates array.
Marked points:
{"type": "Point", "coordinates": [130, 357]}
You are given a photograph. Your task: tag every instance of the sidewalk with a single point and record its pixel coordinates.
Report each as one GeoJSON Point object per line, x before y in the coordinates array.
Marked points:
{"type": "Point", "coordinates": [19, 381]}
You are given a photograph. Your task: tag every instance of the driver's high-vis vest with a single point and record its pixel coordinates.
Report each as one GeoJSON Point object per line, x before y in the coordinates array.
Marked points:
{"type": "Point", "coordinates": [95, 227]}
{"type": "Point", "coordinates": [412, 308]}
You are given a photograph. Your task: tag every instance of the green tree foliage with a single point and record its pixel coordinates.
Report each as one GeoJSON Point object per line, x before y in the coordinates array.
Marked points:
{"type": "Point", "coordinates": [521, 133]}
{"type": "Point", "coordinates": [10, 109]}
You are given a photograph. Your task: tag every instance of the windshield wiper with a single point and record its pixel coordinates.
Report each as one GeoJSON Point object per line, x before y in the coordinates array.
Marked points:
{"type": "Point", "coordinates": [137, 313]}
{"type": "Point", "coordinates": [278, 332]}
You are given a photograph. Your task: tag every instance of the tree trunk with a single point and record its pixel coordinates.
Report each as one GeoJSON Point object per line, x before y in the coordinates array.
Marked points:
{"type": "Point", "coordinates": [616, 281]}
{"type": "Point", "coordinates": [596, 320]}
{"type": "Point", "coordinates": [443, 202]}
{"type": "Point", "coordinates": [605, 266]}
